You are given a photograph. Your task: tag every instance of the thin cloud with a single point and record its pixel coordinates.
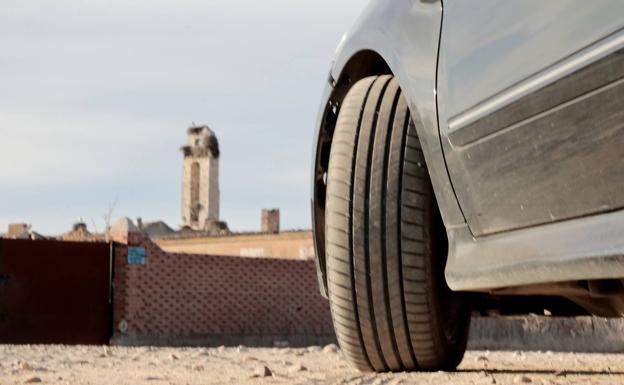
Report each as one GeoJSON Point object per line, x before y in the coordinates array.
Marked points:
{"type": "Point", "coordinates": [96, 96]}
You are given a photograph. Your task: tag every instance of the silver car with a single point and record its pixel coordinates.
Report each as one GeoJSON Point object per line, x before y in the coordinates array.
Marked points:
{"type": "Point", "coordinates": [469, 158]}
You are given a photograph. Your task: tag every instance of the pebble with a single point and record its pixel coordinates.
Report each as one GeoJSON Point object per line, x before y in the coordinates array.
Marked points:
{"type": "Point", "coordinates": [331, 348]}
{"type": "Point", "coordinates": [173, 357]}
{"type": "Point", "coordinates": [24, 365]}
{"type": "Point", "coordinates": [297, 368]}
{"type": "Point", "coordinates": [263, 371]}
{"type": "Point", "coordinates": [33, 380]}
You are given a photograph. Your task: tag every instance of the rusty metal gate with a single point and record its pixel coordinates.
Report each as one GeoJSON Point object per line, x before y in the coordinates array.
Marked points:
{"type": "Point", "coordinates": [55, 292]}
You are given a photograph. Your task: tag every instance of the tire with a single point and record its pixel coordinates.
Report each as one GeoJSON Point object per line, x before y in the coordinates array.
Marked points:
{"type": "Point", "coordinates": [385, 243]}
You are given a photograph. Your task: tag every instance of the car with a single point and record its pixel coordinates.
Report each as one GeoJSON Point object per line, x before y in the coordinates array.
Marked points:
{"type": "Point", "coordinates": [469, 159]}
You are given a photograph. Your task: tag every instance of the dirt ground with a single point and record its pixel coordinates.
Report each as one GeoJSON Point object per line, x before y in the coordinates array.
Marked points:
{"type": "Point", "coordinates": [314, 365]}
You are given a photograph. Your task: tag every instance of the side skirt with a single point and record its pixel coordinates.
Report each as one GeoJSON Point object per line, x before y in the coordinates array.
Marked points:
{"type": "Point", "coordinates": [580, 249]}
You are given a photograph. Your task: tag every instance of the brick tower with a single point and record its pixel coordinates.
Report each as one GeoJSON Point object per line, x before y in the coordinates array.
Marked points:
{"type": "Point", "coordinates": [200, 181]}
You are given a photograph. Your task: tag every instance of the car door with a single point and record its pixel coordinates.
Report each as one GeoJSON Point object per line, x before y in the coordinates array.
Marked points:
{"type": "Point", "coordinates": [531, 109]}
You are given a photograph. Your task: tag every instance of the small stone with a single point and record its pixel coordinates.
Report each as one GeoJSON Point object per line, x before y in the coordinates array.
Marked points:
{"type": "Point", "coordinates": [522, 380]}
{"type": "Point", "coordinates": [24, 365]}
{"type": "Point", "coordinates": [263, 371]}
{"type": "Point", "coordinates": [297, 368]}
{"type": "Point", "coordinates": [173, 357]}
{"type": "Point", "coordinates": [241, 349]}
{"type": "Point", "coordinates": [331, 348]}
{"type": "Point", "coordinates": [107, 352]}
{"type": "Point", "coordinates": [33, 380]}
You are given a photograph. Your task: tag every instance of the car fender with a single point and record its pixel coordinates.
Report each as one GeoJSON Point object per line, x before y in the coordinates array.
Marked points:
{"type": "Point", "coordinates": [400, 37]}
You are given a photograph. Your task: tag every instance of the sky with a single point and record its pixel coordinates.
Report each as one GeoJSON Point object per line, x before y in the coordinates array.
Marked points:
{"type": "Point", "coordinates": [96, 96]}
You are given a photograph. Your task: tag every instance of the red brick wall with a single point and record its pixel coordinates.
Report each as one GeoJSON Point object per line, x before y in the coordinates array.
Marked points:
{"type": "Point", "coordinates": [214, 300]}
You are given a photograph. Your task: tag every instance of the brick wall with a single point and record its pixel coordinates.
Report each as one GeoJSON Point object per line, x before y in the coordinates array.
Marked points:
{"type": "Point", "coordinates": [191, 299]}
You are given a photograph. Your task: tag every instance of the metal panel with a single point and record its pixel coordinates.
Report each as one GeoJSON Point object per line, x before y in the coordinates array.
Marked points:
{"type": "Point", "coordinates": [531, 110]}
{"type": "Point", "coordinates": [580, 249]}
{"type": "Point", "coordinates": [578, 83]}
{"type": "Point", "coordinates": [564, 163]}
{"type": "Point", "coordinates": [491, 48]}
{"type": "Point", "coordinates": [54, 292]}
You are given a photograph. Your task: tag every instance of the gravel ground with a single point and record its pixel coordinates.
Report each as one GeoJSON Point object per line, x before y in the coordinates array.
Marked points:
{"type": "Point", "coordinates": [314, 365]}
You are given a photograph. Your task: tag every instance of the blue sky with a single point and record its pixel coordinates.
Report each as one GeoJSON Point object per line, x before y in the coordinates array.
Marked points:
{"type": "Point", "coordinates": [95, 98]}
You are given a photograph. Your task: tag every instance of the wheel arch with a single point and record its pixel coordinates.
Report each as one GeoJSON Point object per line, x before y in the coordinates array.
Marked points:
{"type": "Point", "coordinates": [402, 39]}
{"type": "Point", "coordinates": [364, 63]}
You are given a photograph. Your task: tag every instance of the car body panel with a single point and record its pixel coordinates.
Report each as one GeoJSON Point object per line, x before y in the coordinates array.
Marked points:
{"type": "Point", "coordinates": [579, 249]}
{"type": "Point", "coordinates": [531, 113]}
{"type": "Point", "coordinates": [567, 235]}
{"type": "Point", "coordinates": [405, 33]}
{"type": "Point", "coordinates": [491, 46]}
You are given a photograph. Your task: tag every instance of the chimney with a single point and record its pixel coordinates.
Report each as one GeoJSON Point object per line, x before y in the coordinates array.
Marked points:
{"type": "Point", "coordinates": [270, 221]}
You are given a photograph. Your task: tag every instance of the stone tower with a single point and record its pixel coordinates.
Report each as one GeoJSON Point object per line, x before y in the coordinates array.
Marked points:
{"type": "Point", "coordinates": [200, 180]}
{"type": "Point", "coordinates": [270, 221]}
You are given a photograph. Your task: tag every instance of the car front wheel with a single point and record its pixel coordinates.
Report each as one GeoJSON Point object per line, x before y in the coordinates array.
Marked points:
{"type": "Point", "coordinates": [385, 243]}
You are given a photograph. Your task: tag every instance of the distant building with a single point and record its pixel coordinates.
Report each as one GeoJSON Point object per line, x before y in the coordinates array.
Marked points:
{"type": "Point", "coordinates": [296, 244]}
{"type": "Point", "coordinates": [270, 242]}
{"type": "Point", "coordinates": [202, 231]}
{"type": "Point", "coordinates": [200, 180]}
{"type": "Point", "coordinates": [22, 231]}
{"type": "Point", "coordinates": [80, 233]}
{"type": "Point", "coordinates": [155, 229]}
